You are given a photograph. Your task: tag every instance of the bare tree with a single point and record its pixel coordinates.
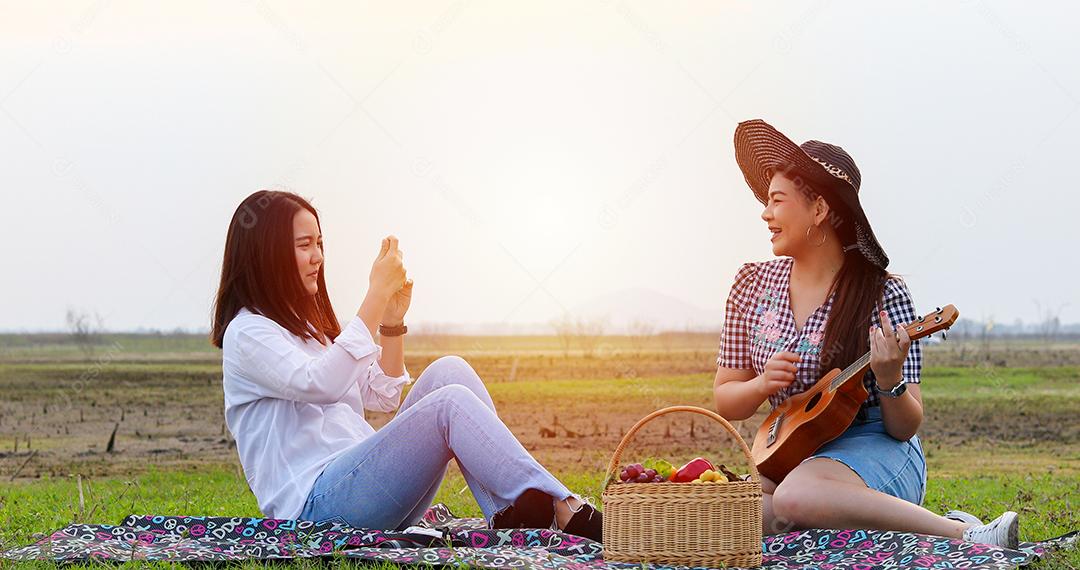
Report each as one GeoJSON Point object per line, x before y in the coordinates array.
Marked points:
{"type": "Point", "coordinates": [564, 328]}
{"type": "Point", "coordinates": [85, 330]}
{"type": "Point", "coordinates": [640, 334]}
{"type": "Point", "coordinates": [1049, 324]}
{"type": "Point", "coordinates": [589, 333]}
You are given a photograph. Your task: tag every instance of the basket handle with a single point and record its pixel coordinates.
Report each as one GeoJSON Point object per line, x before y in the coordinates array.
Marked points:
{"type": "Point", "coordinates": [693, 409]}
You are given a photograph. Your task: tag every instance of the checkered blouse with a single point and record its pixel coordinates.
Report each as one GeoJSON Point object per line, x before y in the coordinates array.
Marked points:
{"type": "Point", "coordinates": [759, 323]}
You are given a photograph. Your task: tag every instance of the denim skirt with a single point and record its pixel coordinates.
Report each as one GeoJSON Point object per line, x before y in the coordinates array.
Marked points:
{"type": "Point", "coordinates": [886, 464]}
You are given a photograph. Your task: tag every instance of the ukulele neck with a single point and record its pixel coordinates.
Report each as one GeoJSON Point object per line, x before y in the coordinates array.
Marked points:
{"type": "Point", "coordinates": [939, 320]}
{"type": "Point", "coordinates": [856, 368]}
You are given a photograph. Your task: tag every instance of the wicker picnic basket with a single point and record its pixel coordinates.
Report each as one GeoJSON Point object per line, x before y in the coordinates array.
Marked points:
{"type": "Point", "coordinates": [710, 524]}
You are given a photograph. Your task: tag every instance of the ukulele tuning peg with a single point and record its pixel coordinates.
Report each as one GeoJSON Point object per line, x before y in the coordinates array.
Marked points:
{"type": "Point", "coordinates": [937, 309]}
{"type": "Point", "coordinates": [944, 336]}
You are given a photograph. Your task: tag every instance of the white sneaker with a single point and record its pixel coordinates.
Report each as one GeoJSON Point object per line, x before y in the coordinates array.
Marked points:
{"type": "Point", "coordinates": [963, 517]}
{"type": "Point", "coordinates": [1002, 531]}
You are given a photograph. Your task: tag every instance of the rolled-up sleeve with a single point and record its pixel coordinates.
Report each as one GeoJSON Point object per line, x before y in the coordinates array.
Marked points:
{"type": "Point", "coordinates": [382, 393]}
{"type": "Point", "coordinates": [280, 369]}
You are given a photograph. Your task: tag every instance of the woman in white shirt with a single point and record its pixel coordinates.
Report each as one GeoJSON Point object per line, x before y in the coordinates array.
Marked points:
{"type": "Point", "coordinates": [297, 384]}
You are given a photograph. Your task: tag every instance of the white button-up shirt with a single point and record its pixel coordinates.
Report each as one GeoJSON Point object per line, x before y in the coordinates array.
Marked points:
{"type": "Point", "coordinates": [293, 405]}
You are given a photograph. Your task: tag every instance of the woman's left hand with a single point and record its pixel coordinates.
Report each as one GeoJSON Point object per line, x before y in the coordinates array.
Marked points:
{"type": "Point", "coordinates": [398, 305]}
{"type": "Point", "coordinates": [888, 350]}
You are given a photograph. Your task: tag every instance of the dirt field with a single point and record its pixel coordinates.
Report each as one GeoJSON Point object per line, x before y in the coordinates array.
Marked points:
{"type": "Point", "coordinates": [57, 414]}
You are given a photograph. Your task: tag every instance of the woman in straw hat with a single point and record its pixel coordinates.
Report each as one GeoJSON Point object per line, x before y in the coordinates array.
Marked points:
{"type": "Point", "coordinates": [821, 304]}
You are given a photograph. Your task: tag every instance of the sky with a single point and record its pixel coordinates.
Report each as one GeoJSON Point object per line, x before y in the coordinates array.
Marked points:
{"type": "Point", "coordinates": [536, 160]}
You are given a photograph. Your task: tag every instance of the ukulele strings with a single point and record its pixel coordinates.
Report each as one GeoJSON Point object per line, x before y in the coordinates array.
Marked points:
{"type": "Point", "coordinates": [850, 371]}
{"type": "Point", "coordinates": [864, 360]}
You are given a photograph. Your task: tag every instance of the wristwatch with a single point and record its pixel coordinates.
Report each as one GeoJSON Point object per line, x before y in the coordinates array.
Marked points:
{"type": "Point", "coordinates": [896, 391]}
{"type": "Point", "coordinates": [393, 331]}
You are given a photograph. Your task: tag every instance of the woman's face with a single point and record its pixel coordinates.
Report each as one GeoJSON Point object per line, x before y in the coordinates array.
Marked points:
{"type": "Point", "coordinates": [790, 213]}
{"type": "Point", "coordinates": [308, 244]}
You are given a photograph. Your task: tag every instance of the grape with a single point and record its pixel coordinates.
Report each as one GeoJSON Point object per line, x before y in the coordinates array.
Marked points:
{"type": "Point", "coordinates": [636, 473]}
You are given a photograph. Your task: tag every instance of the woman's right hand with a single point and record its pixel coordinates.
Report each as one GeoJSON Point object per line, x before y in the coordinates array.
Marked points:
{"type": "Point", "coordinates": [779, 372]}
{"type": "Point", "coordinates": [388, 272]}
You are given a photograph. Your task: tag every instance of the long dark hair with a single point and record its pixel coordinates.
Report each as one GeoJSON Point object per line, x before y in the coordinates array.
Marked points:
{"type": "Point", "coordinates": [859, 285]}
{"type": "Point", "coordinates": [259, 271]}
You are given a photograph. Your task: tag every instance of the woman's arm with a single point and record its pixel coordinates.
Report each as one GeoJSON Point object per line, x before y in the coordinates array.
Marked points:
{"type": "Point", "coordinates": [371, 310]}
{"type": "Point", "coordinates": [894, 356]}
{"type": "Point", "coordinates": [381, 390]}
{"type": "Point", "coordinates": [393, 347]}
{"type": "Point", "coordinates": [903, 415]}
{"type": "Point", "coordinates": [736, 393]}
{"type": "Point", "coordinates": [393, 355]}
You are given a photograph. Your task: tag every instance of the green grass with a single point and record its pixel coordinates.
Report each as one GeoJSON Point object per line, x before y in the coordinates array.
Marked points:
{"type": "Point", "coordinates": [988, 381]}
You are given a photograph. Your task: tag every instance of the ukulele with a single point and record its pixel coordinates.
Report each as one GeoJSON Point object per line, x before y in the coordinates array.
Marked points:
{"type": "Point", "coordinates": [804, 422]}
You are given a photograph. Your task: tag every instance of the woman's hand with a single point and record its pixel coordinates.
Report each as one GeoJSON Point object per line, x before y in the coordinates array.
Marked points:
{"type": "Point", "coordinates": [398, 305]}
{"type": "Point", "coordinates": [779, 372]}
{"type": "Point", "coordinates": [387, 273]}
{"type": "Point", "coordinates": [888, 350]}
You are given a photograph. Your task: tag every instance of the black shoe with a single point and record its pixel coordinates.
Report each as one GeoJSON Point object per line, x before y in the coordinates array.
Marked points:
{"type": "Point", "coordinates": [533, 509]}
{"type": "Point", "coordinates": [587, 522]}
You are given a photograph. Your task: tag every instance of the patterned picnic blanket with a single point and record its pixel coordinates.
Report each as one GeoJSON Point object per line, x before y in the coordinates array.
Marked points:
{"type": "Point", "coordinates": [443, 539]}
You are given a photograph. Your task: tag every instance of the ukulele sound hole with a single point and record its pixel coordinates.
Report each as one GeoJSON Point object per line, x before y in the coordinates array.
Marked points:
{"type": "Point", "coordinates": [813, 402]}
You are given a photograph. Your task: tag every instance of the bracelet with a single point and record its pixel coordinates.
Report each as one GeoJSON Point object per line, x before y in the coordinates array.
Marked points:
{"type": "Point", "coordinates": [393, 331]}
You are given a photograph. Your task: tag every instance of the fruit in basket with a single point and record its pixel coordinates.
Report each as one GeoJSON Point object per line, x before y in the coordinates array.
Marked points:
{"type": "Point", "coordinates": [631, 472]}
{"type": "Point", "coordinates": [710, 476]}
{"type": "Point", "coordinates": [653, 470]}
{"type": "Point", "coordinates": [692, 470]}
{"type": "Point", "coordinates": [663, 468]}
{"type": "Point", "coordinates": [637, 473]}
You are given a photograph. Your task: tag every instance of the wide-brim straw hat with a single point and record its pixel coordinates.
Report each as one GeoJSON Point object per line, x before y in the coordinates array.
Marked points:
{"type": "Point", "coordinates": [823, 169]}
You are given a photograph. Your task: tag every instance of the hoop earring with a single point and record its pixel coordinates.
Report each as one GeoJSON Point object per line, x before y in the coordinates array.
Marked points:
{"type": "Point", "coordinates": [824, 236]}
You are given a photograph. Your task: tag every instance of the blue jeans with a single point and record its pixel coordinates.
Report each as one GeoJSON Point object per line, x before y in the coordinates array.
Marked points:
{"type": "Point", "coordinates": [389, 480]}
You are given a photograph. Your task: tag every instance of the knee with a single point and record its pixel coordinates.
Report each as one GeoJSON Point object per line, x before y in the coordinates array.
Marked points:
{"type": "Point", "coordinates": [795, 504]}
{"type": "Point", "coordinates": [451, 361]}
{"type": "Point", "coordinates": [449, 370]}
{"type": "Point", "coordinates": [449, 367]}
